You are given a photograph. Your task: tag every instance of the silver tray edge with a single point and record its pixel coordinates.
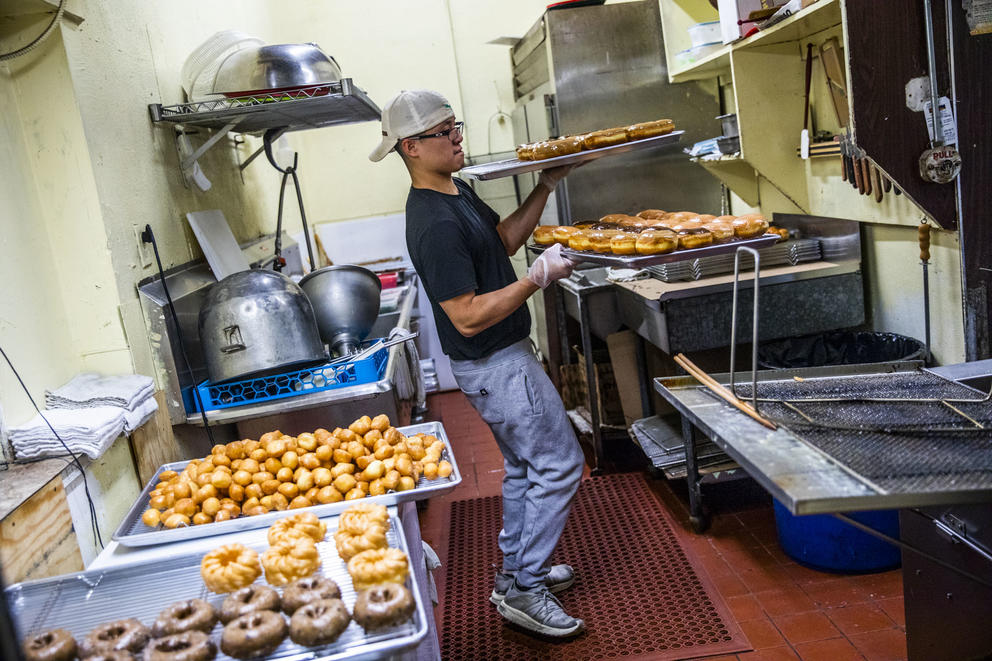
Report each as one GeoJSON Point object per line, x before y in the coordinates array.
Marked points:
{"type": "Point", "coordinates": [667, 258]}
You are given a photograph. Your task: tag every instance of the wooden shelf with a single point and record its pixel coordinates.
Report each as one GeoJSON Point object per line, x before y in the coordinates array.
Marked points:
{"type": "Point", "coordinates": [710, 66]}
{"type": "Point", "coordinates": [738, 175]}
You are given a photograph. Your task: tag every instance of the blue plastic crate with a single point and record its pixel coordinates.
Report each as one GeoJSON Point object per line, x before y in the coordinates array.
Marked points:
{"type": "Point", "coordinates": [292, 384]}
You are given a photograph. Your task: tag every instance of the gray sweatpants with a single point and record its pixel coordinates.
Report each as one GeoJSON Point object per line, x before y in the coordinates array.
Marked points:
{"type": "Point", "coordinates": [541, 456]}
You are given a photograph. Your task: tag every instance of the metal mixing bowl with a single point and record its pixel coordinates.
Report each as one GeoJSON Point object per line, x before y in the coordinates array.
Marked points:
{"type": "Point", "coordinates": [345, 301]}
{"type": "Point", "coordinates": [259, 69]}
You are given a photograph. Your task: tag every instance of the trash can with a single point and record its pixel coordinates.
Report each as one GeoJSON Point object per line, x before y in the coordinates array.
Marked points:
{"type": "Point", "coordinates": [839, 348]}
{"type": "Point", "coordinates": [820, 540]}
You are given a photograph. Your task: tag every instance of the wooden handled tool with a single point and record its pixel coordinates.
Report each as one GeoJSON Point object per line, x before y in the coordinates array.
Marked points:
{"type": "Point", "coordinates": [857, 175]}
{"type": "Point", "coordinates": [721, 392]}
{"type": "Point", "coordinates": [879, 194]}
{"type": "Point", "coordinates": [866, 174]}
{"type": "Point", "coordinates": [886, 183]}
{"type": "Point", "coordinates": [923, 234]}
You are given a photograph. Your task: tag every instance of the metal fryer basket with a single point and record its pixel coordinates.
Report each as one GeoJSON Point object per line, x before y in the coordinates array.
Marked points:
{"type": "Point", "coordinates": [80, 602]}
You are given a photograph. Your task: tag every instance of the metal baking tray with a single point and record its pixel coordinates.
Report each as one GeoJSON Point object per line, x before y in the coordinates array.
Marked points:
{"type": "Point", "coordinates": [513, 166]}
{"type": "Point", "coordinates": [133, 532]}
{"type": "Point", "coordinates": [642, 261]}
{"type": "Point", "coordinates": [81, 601]}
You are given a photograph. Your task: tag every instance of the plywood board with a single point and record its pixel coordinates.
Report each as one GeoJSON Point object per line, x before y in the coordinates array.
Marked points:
{"type": "Point", "coordinates": [153, 444]}
{"type": "Point", "coordinates": [37, 539]}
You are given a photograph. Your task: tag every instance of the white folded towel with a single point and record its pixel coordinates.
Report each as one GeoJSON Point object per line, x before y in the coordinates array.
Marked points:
{"type": "Point", "coordinates": [89, 431]}
{"type": "Point", "coordinates": [89, 389]}
{"type": "Point", "coordinates": [140, 415]}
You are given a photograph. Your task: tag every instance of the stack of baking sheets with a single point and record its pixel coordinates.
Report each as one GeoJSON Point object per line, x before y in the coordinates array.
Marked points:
{"type": "Point", "coordinates": [781, 254]}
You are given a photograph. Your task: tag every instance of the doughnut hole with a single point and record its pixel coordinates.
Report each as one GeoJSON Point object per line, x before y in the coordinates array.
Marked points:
{"type": "Point", "coordinates": [307, 442]}
{"type": "Point", "coordinates": [221, 460]}
{"type": "Point", "coordinates": [370, 439]}
{"type": "Point", "coordinates": [257, 510]}
{"type": "Point", "coordinates": [210, 506]}
{"type": "Point", "coordinates": [221, 481]}
{"type": "Point", "coordinates": [342, 468]}
{"type": "Point", "coordinates": [310, 461]}
{"type": "Point", "coordinates": [272, 465]}
{"type": "Point", "coordinates": [444, 469]}
{"type": "Point", "coordinates": [324, 453]}
{"type": "Point", "coordinates": [280, 501]}
{"type": "Point", "coordinates": [391, 479]}
{"type": "Point", "coordinates": [165, 476]}
{"type": "Point", "coordinates": [262, 476]}
{"type": "Point", "coordinates": [363, 485]}
{"type": "Point", "coordinates": [253, 491]}
{"type": "Point", "coordinates": [275, 447]}
{"type": "Point", "coordinates": [285, 474]}
{"type": "Point", "coordinates": [341, 456]}
{"type": "Point", "coordinates": [151, 518]}
{"type": "Point", "coordinates": [305, 481]}
{"type": "Point", "coordinates": [329, 494]}
{"type": "Point", "coordinates": [259, 454]}
{"type": "Point", "coordinates": [384, 451]}
{"type": "Point", "coordinates": [222, 515]}
{"type": "Point", "coordinates": [356, 449]}
{"type": "Point", "coordinates": [406, 483]}
{"type": "Point", "coordinates": [175, 520]}
{"type": "Point", "coordinates": [290, 459]}
{"type": "Point", "coordinates": [377, 488]}
{"type": "Point", "coordinates": [269, 435]}
{"type": "Point", "coordinates": [200, 518]}
{"type": "Point", "coordinates": [249, 504]}
{"type": "Point", "coordinates": [235, 450]}
{"type": "Point", "coordinates": [298, 502]}
{"type": "Point", "coordinates": [270, 486]}
{"type": "Point", "coordinates": [354, 494]}
{"type": "Point", "coordinates": [185, 506]}
{"type": "Point", "coordinates": [249, 465]}
{"type": "Point", "coordinates": [289, 489]}
{"type": "Point", "coordinates": [363, 461]}
{"type": "Point", "coordinates": [311, 494]}
{"type": "Point", "coordinates": [322, 477]}
{"type": "Point", "coordinates": [345, 482]}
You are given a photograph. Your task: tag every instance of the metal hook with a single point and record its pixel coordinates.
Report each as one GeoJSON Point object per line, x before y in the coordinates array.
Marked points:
{"type": "Point", "coordinates": [733, 324]}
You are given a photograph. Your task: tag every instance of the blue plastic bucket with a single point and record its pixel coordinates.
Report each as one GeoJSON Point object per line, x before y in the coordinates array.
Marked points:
{"type": "Point", "coordinates": [825, 542]}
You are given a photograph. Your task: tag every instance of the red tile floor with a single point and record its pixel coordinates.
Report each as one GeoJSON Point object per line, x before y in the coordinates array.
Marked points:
{"type": "Point", "coordinates": [786, 610]}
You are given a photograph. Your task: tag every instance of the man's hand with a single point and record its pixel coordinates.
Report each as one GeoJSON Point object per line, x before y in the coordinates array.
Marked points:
{"type": "Point", "coordinates": [550, 266]}
{"type": "Point", "coordinates": [549, 178]}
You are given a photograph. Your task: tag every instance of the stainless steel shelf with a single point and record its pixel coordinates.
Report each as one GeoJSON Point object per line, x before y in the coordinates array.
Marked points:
{"type": "Point", "coordinates": [313, 107]}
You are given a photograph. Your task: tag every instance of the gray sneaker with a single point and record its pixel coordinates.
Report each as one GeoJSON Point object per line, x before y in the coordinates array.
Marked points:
{"type": "Point", "coordinates": [538, 610]}
{"type": "Point", "coordinates": [561, 577]}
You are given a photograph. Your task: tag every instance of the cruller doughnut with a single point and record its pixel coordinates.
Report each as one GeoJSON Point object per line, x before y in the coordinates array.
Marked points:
{"type": "Point", "coordinates": [375, 566]}
{"type": "Point", "coordinates": [54, 645]}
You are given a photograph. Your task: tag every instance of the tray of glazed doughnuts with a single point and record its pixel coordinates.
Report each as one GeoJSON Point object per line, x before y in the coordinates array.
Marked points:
{"type": "Point", "coordinates": [247, 484]}
{"type": "Point", "coordinates": [263, 600]}
{"type": "Point", "coordinates": [655, 237]}
{"type": "Point", "coordinates": [572, 150]}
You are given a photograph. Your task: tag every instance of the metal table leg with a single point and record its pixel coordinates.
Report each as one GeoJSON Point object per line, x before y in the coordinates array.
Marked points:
{"type": "Point", "coordinates": [697, 514]}
{"type": "Point", "coordinates": [640, 355]}
{"type": "Point", "coordinates": [593, 386]}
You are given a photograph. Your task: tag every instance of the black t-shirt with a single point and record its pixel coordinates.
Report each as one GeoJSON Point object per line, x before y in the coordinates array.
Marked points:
{"type": "Point", "coordinates": [456, 249]}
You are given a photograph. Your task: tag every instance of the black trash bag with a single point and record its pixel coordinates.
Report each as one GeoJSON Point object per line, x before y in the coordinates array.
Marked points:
{"type": "Point", "coordinates": [839, 348]}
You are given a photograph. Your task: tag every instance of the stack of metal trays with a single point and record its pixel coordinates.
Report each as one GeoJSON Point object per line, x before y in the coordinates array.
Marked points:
{"type": "Point", "coordinates": [781, 254]}
{"type": "Point", "coordinates": [82, 601]}
{"type": "Point", "coordinates": [662, 442]}
{"type": "Point", "coordinates": [133, 532]}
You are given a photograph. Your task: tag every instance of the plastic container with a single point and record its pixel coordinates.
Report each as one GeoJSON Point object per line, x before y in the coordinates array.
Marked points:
{"type": "Point", "coordinates": [825, 542]}
{"type": "Point", "coordinates": [705, 33]}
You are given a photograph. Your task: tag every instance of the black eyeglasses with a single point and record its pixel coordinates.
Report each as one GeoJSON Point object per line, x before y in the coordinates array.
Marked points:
{"type": "Point", "coordinates": [455, 131]}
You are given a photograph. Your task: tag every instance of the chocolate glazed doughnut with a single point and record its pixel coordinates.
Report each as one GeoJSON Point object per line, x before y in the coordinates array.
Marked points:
{"type": "Point", "coordinates": [305, 590]}
{"type": "Point", "coordinates": [383, 605]}
{"type": "Point", "coordinates": [54, 645]}
{"type": "Point", "coordinates": [189, 615]}
{"type": "Point", "coordinates": [319, 622]}
{"type": "Point", "coordinates": [111, 655]}
{"type": "Point", "coordinates": [254, 634]}
{"type": "Point", "coordinates": [121, 635]}
{"type": "Point", "coordinates": [249, 600]}
{"type": "Point", "coordinates": [186, 646]}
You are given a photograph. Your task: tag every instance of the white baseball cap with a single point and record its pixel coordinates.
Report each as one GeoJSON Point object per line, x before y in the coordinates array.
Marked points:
{"type": "Point", "coordinates": [408, 113]}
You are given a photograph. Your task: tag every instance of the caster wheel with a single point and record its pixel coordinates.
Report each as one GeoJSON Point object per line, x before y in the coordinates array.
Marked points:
{"type": "Point", "coordinates": [699, 523]}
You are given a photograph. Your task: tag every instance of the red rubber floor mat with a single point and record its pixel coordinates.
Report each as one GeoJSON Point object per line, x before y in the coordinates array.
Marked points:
{"type": "Point", "coordinates": [636, 589]}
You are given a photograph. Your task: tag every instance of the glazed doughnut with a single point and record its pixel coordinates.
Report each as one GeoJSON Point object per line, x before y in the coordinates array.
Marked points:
{"type": "Point", "coordinates": [696, 238]}
{"type": "Point", "coordinates": [305, 523]}
{"type": "Point", "coordinates": [303, 591]}
{"type": "Point", "coordinates": [254, 634]}
{"type": "Point", "coordinates": [249, 599]}
{"type": "Point", "coordinates": [616, 219]}
{"type": "Point", "coordinates": [687, 226]}
{"type": "Point", "coordinates": [580, 240]}
{"type": "Point", "coordinates": [383, 605]}
{"type": "Point", "coordinates": [601, 240]}
{"type": "Point", "coordinates": [705, 217]}
{"type": "Point", "coordinates": [623, 243]}
{"type": "Point", "coordinates": [584, 225]}
{"type": "Point", "coordinates": [750, 226]}
{"type": "Point", "coordinates": [111, 655]}
{"type": "Point", "coordinates": [544, 235]}
{"type": "Point", "coordinates": [604, 138]}
{"type": "Point", "coordinates": [286, 562]}
{"type": "Point", "coordinates": [656, 242]}
{"type": "Point", "coordinates": [681, 216]}
{"type": "Point", "coordinates": [186, 646]}
{"type": "Point", "coordinates": [191, 614]}
{"type": "Point", "coordinates": [781, 231]}
{"type": "Point", "coordinates": [557, 147]}
{"type": "Point", "coordinates": [229, 568]}
{"type": "Point", "coordinates": [725, 219]}
{"type": "Point", "coordinates": [54, 645]}
{"type": "Point", "coordinates": [721, 231]}
{"type": "Point", "coordinates": [650, 129]}
{"type": "Point", "coordinates": [563, 232]}
{"type": "Point", "coordinates": [319, 622]}
{"type": "Point", "coordinates": [376, 566]}
{"type": "Point", "coordinates": [121, 635]}
{"type": "Point", "coordinates": [652, 214]}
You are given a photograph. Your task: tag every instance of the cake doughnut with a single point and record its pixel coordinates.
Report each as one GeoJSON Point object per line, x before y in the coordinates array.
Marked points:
{"type": "Point", "coordinates": [623, 243]}
{"type": "Point", "coordinates": [306, 590]}
{"type": "Point", "coordinates": [190, 645]}
{"type": "Point", "coordinates": [191, 614]}
{"type": "Point", "coordinates": [375, 566]}
{"type": "Point", "coordinates": [121, 635]}
{"type": "Point", "coordinates": [319, 622]}
{"type": "Point", "coordinates": [383, 605]}
{"type": "Point", "coordinates": [563, 232]}
{"type": "Point", "coordinates": [656, 242]}
{"type": "Point", "coordinates": [601, 240]}
{"type": "Point", "coordinates": [229, 568]}
{"type": "Point", "coordinates": [306, 523]}
{"type": "Point", "coordinates": [544, 235]}
{"type": "Point", "coordinates": [286, 562]}
{"type": "Point", "coordinates": [248, 599]}
{"type": "Point", "coordinates": [111, 655]}
{"type": "Point", "coordinates": [580, 240]}
{"type": "Point", "coordinates": [254, 634]}
{"type": "Point", "coordinates": [749, 226]}
{"type": "Point", "coordinates": [695, 238]}
{"type": "Point", "coordinates": [652, 214]}
{"type": "Point", "coordinates": [54, 645]}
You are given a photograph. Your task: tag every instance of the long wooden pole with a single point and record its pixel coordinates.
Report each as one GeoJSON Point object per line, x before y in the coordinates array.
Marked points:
{"type": "Point", "coordinates": [720, 391]}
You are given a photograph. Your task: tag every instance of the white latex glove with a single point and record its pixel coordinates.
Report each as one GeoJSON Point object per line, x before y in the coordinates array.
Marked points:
{"type": "Point", "coordinates": [549, 178]}
{"type": "Point", "coordinates": [550, 266]}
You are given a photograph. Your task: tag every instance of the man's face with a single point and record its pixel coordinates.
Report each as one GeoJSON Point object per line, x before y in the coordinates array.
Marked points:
{"type": "Point", "coordinates": [438, 153]}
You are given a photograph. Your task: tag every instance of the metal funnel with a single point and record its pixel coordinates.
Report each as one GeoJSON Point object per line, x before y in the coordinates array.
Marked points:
{"type": "Point", "coordinates": [345, 302]}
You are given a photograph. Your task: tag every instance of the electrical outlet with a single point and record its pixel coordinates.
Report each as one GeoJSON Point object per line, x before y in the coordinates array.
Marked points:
{"type": "Point", "coordinates": [145, 253]}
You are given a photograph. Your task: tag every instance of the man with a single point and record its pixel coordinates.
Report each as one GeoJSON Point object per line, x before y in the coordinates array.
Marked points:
{"type": "Point", "coordinates": [460, 249]}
